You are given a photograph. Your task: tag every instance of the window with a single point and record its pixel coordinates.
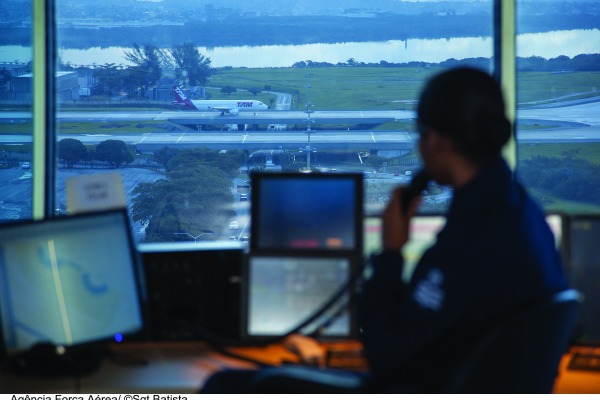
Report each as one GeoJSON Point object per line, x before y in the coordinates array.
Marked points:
{"type": "Point", "coordinates": [558, 80]}
{"type": "Point", "coordinates": [16, 99]}
{"type": "Point", "coordinates": [174, 97]}
{"type": "Point", "coordinates": [375, 60]}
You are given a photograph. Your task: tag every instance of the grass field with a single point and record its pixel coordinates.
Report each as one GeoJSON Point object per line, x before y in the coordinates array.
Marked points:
{"type": "Point", "coordinates": [335, 88]}
{"type": "Point", "coordinates": [545, 87]}
{"type": "Point", "coordinates": [396, 88]}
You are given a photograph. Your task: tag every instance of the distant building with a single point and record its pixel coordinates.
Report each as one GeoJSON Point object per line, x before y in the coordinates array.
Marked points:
{"type": "Point", "coordinates": [161, 92]}
{"type": "Point", "coordinates": [218, 14]}
{"type": "Point", "coordinates": [85, 78]}
{"type": "Point", "coordinates": [16, 68]}
{"type": "Point", "coordinates": [67, 86]}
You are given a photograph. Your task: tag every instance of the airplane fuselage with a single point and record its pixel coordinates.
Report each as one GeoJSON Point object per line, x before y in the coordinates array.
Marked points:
{"type": "Point", "coordinates": [218, 105]}
{"type": "Point", "coordinates": [232, 107]}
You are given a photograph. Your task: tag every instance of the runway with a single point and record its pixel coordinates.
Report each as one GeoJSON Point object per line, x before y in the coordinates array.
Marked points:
{"type": "Point", "coordinates": [570, 124]}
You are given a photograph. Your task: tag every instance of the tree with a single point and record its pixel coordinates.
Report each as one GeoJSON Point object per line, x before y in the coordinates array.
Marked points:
{"type": "Point", "coordinates": [111, 78]}
{"type": "Point", "coordinates": [114, 152]}
{"type": "Point", "coordinates": [190, 200]}
{"type": "Point", "coordinates": [5, 78]}
{"type": "Point", "coordinates": [147, 70]}
{"type": "Point", "coordinates": [228, 162]}
{"type": "Point", "coordinates": [71, 151]}
{"type": "Point", "coordinates": [190, 65]}
{"type": "Point", "coordinates": [164, 155]}
{"type": "Point", "coordinates": [255, 90]}
{"type": "Point", "coordinates": [148, 198]}
{"type": "Point", "coordinates": [228, 89]}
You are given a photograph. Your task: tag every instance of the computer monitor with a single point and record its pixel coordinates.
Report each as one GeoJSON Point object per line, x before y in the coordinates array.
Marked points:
{"type": "Point", "coordinates": [581, 237]}
{"type": "Point", "coordinates": [307, 211]}
{"type": "Point", "coordinates": [281, 291]}
{"type": "Point", "coordinates": [423, 232]}
{"type": "Point", "coordinates": [68, 281]}
{"type": "Point", "coordinates": [193, 288]}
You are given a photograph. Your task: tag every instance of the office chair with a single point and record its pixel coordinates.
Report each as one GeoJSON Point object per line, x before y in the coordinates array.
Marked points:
{"type": "Point", "coordinates": [520, 354]}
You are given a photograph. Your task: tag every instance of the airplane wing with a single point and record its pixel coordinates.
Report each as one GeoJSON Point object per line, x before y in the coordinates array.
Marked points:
{"type": "Point", "coordinates": [223, 110]}
{"type": "Point", "coordinates": [220, 108]}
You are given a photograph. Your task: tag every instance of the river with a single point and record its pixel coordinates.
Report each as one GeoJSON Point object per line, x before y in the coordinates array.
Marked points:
{"type": "Point", "coordinates": [547, 45]}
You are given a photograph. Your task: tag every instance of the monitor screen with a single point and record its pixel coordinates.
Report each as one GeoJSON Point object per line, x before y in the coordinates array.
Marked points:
{"type": "Point", "coordinates": [68, 281]}
{"type": "Point", "coordinates": [312, 211]}
{"type": "Point", "coordinates": [582, 262]}
{"type": "Point", "coordinates": [423, 232]}
{"type": "Point", "coordinates": [283, 290]}
{"type": "Point", "coordinates": [372, 235]}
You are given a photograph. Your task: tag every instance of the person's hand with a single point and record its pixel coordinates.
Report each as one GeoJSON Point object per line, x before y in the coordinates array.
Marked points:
{"type": "Point", "coordinates": [396, 223]}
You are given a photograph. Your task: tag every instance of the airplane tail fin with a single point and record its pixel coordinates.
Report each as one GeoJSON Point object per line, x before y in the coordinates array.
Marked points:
{"type": "Point", "coordinates": [182, 100]}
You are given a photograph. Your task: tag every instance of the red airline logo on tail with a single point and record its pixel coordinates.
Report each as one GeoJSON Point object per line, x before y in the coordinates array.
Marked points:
{"type": "Point", "coordinates": [182, 100]}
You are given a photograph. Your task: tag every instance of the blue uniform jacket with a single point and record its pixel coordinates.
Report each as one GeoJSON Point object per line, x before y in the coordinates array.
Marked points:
{"type": "Point", "coordinates": [496, 252]}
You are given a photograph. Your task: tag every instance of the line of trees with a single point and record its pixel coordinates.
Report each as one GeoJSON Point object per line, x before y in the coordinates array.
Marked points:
{"type": "Point", "coordinates": [581, 62]}
{"type": "Point", "coordinates": [567, 177]}
{"type": "Point", "coordinates": [113, 152]}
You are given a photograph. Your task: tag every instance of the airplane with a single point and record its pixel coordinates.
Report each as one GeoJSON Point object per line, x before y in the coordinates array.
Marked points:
{"type": "Point", "coordinates": [231, 107]}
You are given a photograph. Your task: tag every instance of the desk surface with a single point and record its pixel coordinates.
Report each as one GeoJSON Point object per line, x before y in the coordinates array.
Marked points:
{"type": "Point", "coordinates": [184, 367]}
{"type": "Point", "coordinates": [577, 381]}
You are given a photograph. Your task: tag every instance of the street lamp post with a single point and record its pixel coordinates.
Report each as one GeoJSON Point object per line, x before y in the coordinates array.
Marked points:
{"type": "Point", "coordinates": [309, 121]}
{"type": "Point", "coordinates": [204, 232]}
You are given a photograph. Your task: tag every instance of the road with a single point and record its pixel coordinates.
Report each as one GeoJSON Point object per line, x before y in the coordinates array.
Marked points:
{"type": "Point", "coordinates": [16, 184]}
{"type": "Point", "coordinates": [577, 123]}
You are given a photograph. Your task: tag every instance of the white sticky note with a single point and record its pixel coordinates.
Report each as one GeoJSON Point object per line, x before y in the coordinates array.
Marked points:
{"type": "Point", "coordinates": [95, 192]}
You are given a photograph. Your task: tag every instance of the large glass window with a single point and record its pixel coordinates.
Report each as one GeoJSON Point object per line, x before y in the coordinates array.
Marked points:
{"type": "Point", "coordinates": [16, 101]}
{"type": "Point", "coordinates": [184, 99]}
{"type": "Point", "coordinates": [558, 80]}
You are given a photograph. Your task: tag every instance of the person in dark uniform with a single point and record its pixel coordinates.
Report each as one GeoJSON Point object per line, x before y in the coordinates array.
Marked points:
{"type": "Point", "coordinates": [496, 252]}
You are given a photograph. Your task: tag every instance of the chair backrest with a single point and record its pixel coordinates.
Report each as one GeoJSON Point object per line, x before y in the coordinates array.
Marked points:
{"type": "Point", "coordinates": [521, 353]}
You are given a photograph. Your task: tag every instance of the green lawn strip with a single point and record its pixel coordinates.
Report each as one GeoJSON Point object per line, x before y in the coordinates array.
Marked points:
{"type": "Point", "coordinates": [549, 86]}
{"type": "Point", "coordinates": [133, 127]}
{"type": "Point", "coordinates": [588, 151]}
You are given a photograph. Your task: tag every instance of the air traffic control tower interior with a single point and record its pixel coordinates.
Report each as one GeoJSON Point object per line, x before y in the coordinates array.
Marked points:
{"type": "Point", "coordinates": [198, 187]}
